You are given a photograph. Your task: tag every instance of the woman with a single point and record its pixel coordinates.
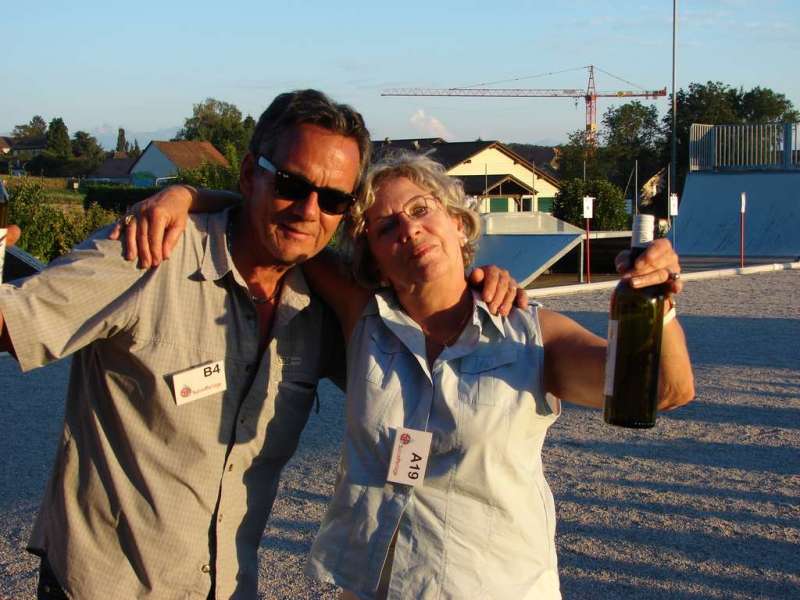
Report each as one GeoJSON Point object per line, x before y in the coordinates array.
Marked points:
{"type": "Point", "coordinates": [434, 377]}
{"type": "Point", "coordinates": [425, 355]}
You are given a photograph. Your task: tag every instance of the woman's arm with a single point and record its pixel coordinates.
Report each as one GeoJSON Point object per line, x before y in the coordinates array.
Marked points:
{"type": "Point", "coordinates": [575, 358]}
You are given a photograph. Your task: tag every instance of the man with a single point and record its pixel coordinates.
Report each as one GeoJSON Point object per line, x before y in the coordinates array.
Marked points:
{"type": "Point", "coordinates": [162, 489]}
{"type": "Point", "coordinates": [190, 383]}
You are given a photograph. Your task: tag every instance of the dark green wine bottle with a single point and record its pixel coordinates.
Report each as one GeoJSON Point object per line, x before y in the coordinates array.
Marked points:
{"type": "Point", "coordinates": [634, 344]}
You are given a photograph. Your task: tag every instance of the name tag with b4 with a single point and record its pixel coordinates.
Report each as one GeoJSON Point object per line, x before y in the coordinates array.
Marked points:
{"type": "Point", "coordinates": [199, 382]}
{"type": "Point", "coordinates": [409, 456]}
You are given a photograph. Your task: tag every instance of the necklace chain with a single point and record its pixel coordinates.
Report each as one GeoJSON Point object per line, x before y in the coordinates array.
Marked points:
{"type": "Point", "coordinates": [463, 323]}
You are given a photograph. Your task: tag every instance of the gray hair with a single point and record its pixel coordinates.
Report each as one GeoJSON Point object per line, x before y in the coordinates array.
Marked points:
{"type": "Point", "coordinates": [311, 107]}
{"type": "Point", "coordinates": [427, 174]}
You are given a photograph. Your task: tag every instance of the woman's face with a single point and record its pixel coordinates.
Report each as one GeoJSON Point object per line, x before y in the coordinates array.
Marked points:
{"type": "Point", "coordinates": [413, 239]}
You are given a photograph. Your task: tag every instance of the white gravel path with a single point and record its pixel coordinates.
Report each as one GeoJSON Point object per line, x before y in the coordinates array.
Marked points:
{"type": "Point", "coordinates": [707, 505]}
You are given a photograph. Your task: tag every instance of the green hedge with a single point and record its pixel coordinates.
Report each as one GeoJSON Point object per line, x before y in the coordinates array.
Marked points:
{"type": "Point", "coordinates": [116, 198]}
{"type": "Point", "coordinates": [48, 232]}
{"type": "Point", "coordinates": [51, 183]}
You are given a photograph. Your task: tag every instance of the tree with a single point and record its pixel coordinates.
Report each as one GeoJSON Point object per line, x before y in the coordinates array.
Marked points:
{"type": "Point", "coordinates": [219, 123]}
{"type": "Point", "coordinates": [86, 149]}
{"type": "Point", "coordinates": [762, 105]}
{"type": "Point", "coordinates": [631, 133]}
{"type": "Point", "coordinates": [609, 206]}
{"type": "Point", "coordinates": [578, 156]}
{"type": "Point", "coordinates": [122, 143]}
{"type": "Point", "coordinates": [715, 103]}
{"type": "Point", "coordinates": [58, 144]}
{"type": "Point", "coordinates": [135, 151]}
{"type": "Point", "coordinates": [35, 128]}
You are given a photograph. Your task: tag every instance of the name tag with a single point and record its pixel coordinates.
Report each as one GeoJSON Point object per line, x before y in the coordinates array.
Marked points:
{"type": "Point", "coordinates": [199, 382]}
{"type": "Point", "coordinates": [409, 456]}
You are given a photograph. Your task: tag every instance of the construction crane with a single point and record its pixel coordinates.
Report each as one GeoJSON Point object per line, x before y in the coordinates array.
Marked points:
{"type": "Point", "coordinates": [590, 96]}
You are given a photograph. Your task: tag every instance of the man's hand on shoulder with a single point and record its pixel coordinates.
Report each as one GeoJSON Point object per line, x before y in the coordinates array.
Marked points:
{"type": "Point", "coordinates": [153, 226]}
{"type": "Point", "coordinates": [498, 289]}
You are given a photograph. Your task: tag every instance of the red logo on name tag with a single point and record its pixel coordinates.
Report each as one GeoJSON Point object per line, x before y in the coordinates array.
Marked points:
{"type": "Point", "coordinates": [186, 391]}
{"type": "Point", "coordinates": [405, 438]}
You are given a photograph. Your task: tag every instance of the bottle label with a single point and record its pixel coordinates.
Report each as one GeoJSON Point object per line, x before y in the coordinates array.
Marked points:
{"type": "Point", "coordinates": [611, 356]}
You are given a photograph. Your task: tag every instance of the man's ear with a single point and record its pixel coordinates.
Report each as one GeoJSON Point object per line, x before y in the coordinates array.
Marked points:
{"type": "Point", "coordinates": [246, 175]}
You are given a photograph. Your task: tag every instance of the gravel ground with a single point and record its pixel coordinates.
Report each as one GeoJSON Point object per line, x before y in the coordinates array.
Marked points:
{"type": "Point", "coordinates": [706, 505]}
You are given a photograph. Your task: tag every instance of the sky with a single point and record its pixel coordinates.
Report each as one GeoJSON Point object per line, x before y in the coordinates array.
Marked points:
{"type": "Point", "coordinates": [142, 65]}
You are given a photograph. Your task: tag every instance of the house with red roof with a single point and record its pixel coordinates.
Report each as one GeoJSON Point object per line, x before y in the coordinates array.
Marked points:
{"type": "Point", "coordinates": [161, 161]}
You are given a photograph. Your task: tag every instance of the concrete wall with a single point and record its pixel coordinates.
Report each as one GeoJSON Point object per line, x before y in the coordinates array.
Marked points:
{"type": "Point", "coordinates": [708, 217]}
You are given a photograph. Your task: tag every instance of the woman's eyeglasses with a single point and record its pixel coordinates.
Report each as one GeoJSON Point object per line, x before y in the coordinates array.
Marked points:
{"type": "Point", "coordinates": [297, 188]}
{"type": "Point", "coordinates": [417, 208]}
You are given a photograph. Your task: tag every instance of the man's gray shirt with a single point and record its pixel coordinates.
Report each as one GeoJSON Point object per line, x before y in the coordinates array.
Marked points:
{"type": "Point", "coordinates": [150, 497]}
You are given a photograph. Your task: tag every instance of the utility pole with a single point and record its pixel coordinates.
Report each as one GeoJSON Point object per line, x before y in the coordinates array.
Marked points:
{"type": "Point", "coordinates": [673, 178]}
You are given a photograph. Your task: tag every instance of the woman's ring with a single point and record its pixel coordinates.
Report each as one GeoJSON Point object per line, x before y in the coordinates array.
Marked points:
{"type": "Point", "coordinates": [674, 276]}
{"type": "Point", "coordinates": [126, 220]}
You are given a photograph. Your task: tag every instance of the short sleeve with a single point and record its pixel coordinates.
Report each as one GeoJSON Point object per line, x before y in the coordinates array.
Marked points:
{"type": "Point", "coordinates": [83, 296]}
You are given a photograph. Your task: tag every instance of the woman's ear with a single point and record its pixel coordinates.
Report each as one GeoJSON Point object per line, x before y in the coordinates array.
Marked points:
{"type": "Point", "coordinates": [459, 223]}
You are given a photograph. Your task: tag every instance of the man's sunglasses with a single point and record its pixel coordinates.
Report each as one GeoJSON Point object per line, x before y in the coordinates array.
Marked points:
{"type": "Point", "coordinates": [296, 188]}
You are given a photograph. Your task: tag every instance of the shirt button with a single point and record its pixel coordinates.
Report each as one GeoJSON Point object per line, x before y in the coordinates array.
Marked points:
{"type": "Point", "coordinates": [206, 568]}
{"type": "Point", "coordinates": [230, 467]}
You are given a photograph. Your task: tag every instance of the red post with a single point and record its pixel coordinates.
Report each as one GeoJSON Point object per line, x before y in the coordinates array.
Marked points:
{"type": "Point", "coordinates": [741, 239]}
{"type": "Point", "coordinates": [742, 208]}
{"type": "Point", "coordinates": [588, 255]}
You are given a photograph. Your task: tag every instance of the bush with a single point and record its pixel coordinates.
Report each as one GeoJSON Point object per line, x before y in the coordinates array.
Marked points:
{"type": "Point", "coordinates": [47, 232]}
{"type": "Point", "coordinates": [215, 177]}
{"type": "Point", "coordinates": [609, 206]}
{"type": "Point", "coordinates": [116, 198]}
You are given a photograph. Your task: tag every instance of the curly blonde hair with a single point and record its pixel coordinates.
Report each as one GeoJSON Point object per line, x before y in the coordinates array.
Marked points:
{"type": "Point", "coordinates": [427, 174]}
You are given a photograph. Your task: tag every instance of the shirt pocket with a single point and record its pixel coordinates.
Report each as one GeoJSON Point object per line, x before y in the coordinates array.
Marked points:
{"type": "Point", "coordinates": [381, 374]}
{"type": "Point", "coordinates": [482, 375]}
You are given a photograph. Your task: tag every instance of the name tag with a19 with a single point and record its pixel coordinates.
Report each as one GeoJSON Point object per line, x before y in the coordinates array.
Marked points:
{"type": "Point", "coordinates": [409, 456]}
{"type": "Point", "coordinates": [199, 382]}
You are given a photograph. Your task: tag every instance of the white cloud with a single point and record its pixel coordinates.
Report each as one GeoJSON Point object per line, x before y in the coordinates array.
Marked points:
{"type": "Point", "coordinates": [429, 125]}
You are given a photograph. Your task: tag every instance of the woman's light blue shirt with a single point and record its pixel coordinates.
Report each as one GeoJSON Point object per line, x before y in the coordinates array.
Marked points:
{"type": "Point", "coordinates": [482, 525]}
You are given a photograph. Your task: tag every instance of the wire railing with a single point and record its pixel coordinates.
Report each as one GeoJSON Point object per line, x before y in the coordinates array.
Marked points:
{"type": "Point", "coordinates": [744, 147]}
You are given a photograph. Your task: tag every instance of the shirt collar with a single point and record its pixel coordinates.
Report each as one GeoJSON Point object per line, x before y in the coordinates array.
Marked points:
{"type": "Point", "coordinates": [218, 262]}
{"type": "Point", "coordinates": [410, 333]}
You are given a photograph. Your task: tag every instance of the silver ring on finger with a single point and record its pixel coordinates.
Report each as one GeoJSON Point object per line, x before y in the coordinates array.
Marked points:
{"type": "Point", "coordinates": [673, 276]}
{"type": "Point", "coordinates": [127, 219]}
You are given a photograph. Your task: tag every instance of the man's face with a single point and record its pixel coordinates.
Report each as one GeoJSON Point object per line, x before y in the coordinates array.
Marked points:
{"type": "Point", "coordinates": [284, 231]}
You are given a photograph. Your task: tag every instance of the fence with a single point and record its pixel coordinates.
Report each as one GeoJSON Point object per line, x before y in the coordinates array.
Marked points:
{"type": "Point", "coordinates": [744, 147]}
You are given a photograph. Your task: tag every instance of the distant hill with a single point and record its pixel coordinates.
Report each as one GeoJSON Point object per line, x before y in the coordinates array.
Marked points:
{"type": "Point", "coordinates": [107, 136]}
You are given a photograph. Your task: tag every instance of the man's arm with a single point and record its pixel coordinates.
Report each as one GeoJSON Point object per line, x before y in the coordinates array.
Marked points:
{"type": "Point", "coordinates": [88, 294]}
{"type": "Point", "coordinates": [161, 219]}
